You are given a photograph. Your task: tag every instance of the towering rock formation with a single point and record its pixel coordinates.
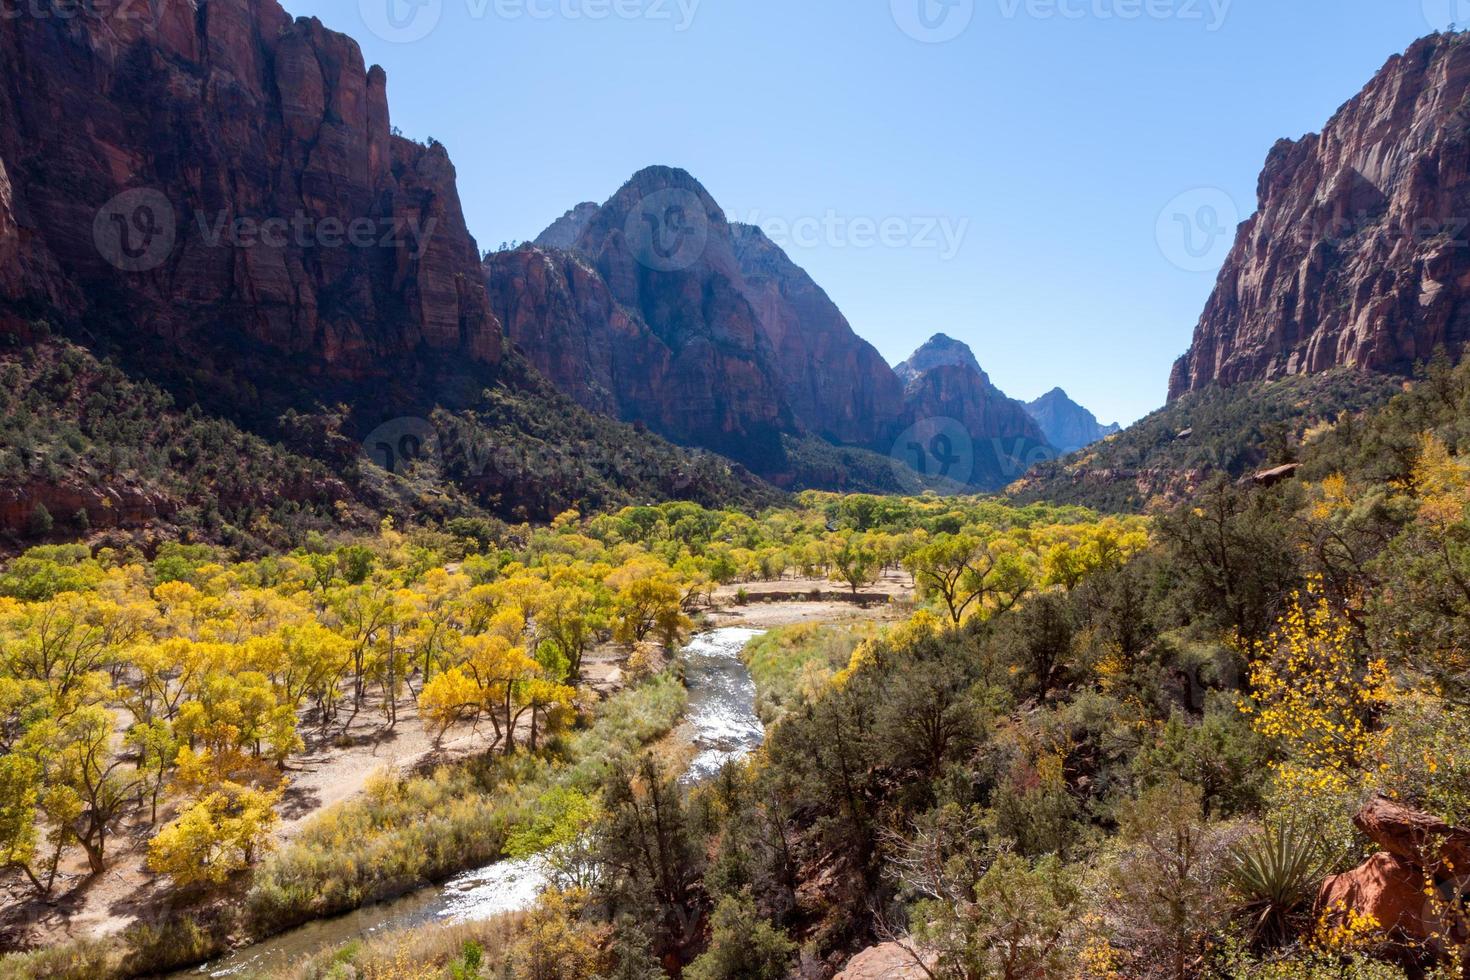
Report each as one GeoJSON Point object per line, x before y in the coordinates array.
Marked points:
{"type": "Point", "coordinates": [218, 183]}
{"type": "Point", "coordinates": [1359, 254]}
{"type": "Point", "coordinates": [1067, 425]}
{"type": "Point", "coordinates": [645, 315]}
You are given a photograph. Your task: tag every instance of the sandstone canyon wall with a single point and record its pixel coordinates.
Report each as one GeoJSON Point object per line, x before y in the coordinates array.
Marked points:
{"type": "Point", "coordinates": [220, 184]}
{"type": "Point", "coordinates": [1359, 252]}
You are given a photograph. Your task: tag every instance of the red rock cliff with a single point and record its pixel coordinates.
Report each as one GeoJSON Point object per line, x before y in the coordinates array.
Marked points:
{"type": "Point", "coordinates": [1359, 254]}
{"type": "Point", "coordinates": [213, 112]}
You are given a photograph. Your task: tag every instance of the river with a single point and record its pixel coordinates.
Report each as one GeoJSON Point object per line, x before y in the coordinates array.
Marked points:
{"type": "Point", "coordinates": [723, 727]}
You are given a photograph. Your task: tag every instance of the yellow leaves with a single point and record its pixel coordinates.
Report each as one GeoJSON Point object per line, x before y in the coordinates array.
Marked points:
{"type": "Point", "coordinates": [1315, 694]}
{"type": "Point", "coordinates": [448, 698]}
{"type": "Point", "coordinates": [215, 837]}
{"type": "Point", "coordinates": [1333, 498]}
{"type": "Point", "coordinates": [1440, 482]}
{"type": "Point", "coordinates": [1346, 930]}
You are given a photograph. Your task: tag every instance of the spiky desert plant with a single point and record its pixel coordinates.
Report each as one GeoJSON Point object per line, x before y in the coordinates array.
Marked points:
{"type": "Point", "coordinates": [1274, 875]}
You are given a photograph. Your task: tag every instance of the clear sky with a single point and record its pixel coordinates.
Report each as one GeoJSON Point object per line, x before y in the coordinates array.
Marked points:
{"type": "Point", "coordinates": [1008, 172]}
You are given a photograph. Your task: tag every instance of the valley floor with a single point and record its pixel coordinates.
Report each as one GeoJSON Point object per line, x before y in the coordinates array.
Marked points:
{"type": "Point", "coordinates": [338, 765]}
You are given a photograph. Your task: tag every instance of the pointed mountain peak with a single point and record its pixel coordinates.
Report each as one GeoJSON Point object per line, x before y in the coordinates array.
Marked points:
{"type": "Point", "coordinates": [1067, 425]}
{"type": "Point", "coordinates": [941, 350]}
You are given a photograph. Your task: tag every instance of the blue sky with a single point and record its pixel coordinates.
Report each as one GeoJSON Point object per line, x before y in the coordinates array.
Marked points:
{"type": "Point", "coordinates": [1025, 185]}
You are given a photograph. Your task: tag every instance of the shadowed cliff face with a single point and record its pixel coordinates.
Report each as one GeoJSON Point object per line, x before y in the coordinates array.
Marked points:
{"type": "Point", "coordinates": [220, 184]}
{"type": "Point", "coordinates": [1359, 254]}
{"type": "Point", "coordinates": [664, 249]}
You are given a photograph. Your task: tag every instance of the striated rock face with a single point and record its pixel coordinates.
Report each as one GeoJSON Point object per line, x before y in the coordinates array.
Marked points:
{"type": "Point", "coordinates": [943, 380]}
{"type": "Point", "coordinates": [559, 311]}
{"type": "Point", "coordinates": [660, 312]}
{"type": "Point", "coordinates": [276, 229]}
{"type": "Point", "coordinates": [838, 384]}
{"type": "Point", "coordinates": [1067, 425]}
{"type": "Point", "coordinates": [1359, 254]}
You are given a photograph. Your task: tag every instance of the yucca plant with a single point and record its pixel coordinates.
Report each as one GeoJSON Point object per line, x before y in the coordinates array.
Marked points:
{"type": "Point", "coordinates": [1275, 875]}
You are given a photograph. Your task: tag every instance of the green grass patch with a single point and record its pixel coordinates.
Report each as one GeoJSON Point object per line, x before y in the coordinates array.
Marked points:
{"type": "Point", "coordinates": [791, 664]}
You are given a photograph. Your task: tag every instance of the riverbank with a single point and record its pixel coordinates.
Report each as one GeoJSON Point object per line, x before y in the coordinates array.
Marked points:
{"type": "Point", "coordinates": [719, 725]}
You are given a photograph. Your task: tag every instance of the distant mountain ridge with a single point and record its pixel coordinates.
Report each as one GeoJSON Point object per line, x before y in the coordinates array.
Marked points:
{"type": "Point", "coordinates": [730, 345]}
{"type": "Point", "coordinates": [1067, 425]}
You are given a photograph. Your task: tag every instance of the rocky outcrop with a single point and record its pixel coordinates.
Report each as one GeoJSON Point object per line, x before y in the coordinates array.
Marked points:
{"type": "Point", "coordinates": [838, 384]}
{"type": "Point", "coordinates": [565, 231]}
{"type": "Point", "coordinates": [1359, 252]}
{"type": "Point", "coordinates": [561, 313]}
{"type": "Point", "coordinates": [653, 308]}
{"type": "Point", "coordinates": [945, 382]}
{"type": "Point", "coordinates": [1067, 425]}
{"type": "Point", "coordinates": [106, 506]}
{"type": "Point", "coordinates": [1413, 887]}
{"type": "Point", "coordinates": [891, 961]}
{"type": "Point", "coordinates": [220, 183]}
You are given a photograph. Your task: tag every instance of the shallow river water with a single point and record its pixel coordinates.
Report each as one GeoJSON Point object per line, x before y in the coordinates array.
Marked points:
{"type": "Point", "coordinates": [724, 728]}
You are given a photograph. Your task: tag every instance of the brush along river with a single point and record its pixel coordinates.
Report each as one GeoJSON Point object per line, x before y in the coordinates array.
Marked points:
{"type": "Point", "coordinates": [724, 726]}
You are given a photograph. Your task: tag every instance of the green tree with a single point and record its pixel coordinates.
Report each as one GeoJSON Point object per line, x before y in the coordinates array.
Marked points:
{"type": "Point", "coordinates": [743, 946]}
{"type": "Point", "coordinates": [1019, 923]}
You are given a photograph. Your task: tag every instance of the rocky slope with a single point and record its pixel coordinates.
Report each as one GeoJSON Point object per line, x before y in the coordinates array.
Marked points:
{"type": "Point", "coordinates": [838, 384]}
{"type": "Point", "coordinates": [940, 350]}
{"type": "Point", "coordinates": [1359, 254]}
{"type": "Point", "coordinates": [701, 367]}
{"type": "Point", "coordinates": [1067, 425]}
{"type": "Point", "coordinates": [225, 180]}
